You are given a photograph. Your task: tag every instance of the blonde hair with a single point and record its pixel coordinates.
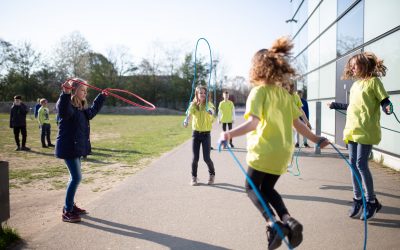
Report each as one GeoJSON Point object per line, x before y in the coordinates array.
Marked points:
{"type": "Point", "coordinates": [76, 102]}
{"type": "Point", "coordinates": [368, 66]}
{"type": "Point", "coordinates": [196, 100]}
{"type": "Point", "coordinates": [43, 101]}
{"type": "Point", "coordinates": [271, 66]}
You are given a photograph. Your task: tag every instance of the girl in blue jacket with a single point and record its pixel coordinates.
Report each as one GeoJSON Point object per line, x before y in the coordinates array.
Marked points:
{"type": "Point", "coordinates": [73, 141]}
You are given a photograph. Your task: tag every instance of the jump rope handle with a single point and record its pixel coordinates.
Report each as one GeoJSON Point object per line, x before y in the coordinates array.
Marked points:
{"type": "Point", "coordinates": [186, 122]}
{"type": "Point", "coordinates": [318, 144]}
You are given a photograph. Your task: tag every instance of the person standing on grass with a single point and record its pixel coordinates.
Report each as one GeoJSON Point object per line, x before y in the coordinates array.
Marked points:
{"type": "Point", "coordinates": [201, 125]}
{"type": "Point", "coordinates": [72, 141]}
{"type": "Point", "coordinates": [226, 114]}
{"type": "Point", "coordinates": [271, 113]}
{"type": "Point", "coordinates": [363, 129]}
{"type": "Point", "coordinates": [44, 124]}
{"type": "Point", "coordinates": [18, 122]}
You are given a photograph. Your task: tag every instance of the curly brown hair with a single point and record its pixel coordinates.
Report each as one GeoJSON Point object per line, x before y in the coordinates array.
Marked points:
{"type": "Point", "coordinates": [271, 66]}
{"type": "Point", "coordinates": [368, 66]}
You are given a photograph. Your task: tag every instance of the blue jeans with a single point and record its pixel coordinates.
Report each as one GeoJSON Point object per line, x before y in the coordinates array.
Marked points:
{"type": "Point", "coordinates": [74, 168]}
{"type": "Point", "coordinates": [358, 157]}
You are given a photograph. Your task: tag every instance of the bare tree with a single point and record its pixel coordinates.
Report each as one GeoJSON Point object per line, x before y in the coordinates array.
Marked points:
{"type": "Point", "coordinates": [24, 59]}
{"type": "Point", "coordinates": [69, 53]}
{"type": "Point", "coordinates": [122, 60]}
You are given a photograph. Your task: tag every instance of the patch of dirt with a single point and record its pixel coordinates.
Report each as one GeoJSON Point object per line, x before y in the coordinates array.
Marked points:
{"type": "Point", "coordinates": [37, 206]}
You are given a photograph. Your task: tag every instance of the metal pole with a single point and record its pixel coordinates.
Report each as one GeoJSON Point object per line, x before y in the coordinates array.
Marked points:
{"type": "Point", "coordinates": [317, 149]}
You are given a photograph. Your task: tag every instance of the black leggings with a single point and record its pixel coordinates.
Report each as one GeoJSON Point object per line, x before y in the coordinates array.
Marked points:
{"type": "Point", "coordinates": [265, 183]}
{"type": "Point", "coordinates": [204, 139]}
{"type": "Point", "coordinates": [46, 128]}
{"type": "Point", "coordinates": [17, 130]}
{"type": "Point", "coordinates": [229, 128]}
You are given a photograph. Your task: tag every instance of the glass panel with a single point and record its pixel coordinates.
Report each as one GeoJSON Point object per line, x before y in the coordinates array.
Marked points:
{"type": "Point", "coordinates": [327, 118]}
{"type": "Point", "coordinates": [313, 85]}
{"type": "Point", "coordinates": [328, 45]}
{"type": "Point", "coordinates": [388, 49]}
{"type": "Point", "coordinates": [343, 5]}
{"type": "Point", "coordinates": [327, 15]}
{"type": "Point", "coordinates": [327, 81]}
{"type": "Point", "coordinates": [350, 30]}
{"type": "Point", "coordinates": [313, 56]}
{"type": "Point", "coordinates": [380, 18]}
{"type": "Point", "coordinates": [390, 140]}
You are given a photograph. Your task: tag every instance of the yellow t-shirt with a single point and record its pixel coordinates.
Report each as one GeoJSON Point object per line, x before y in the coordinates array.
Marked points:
{"type": "Point", "coordinates": [201, 119]}
{"type": "Point", "coordinates": [363, 113]}
{"type": "Point", "coordinates": [226, 108]}
{"type": "Point", "coordinates": [270, 146]}
{"type": "Point", "coordinates": [297, 100]}
{"type": "Point", "coordinates": [43, 115]}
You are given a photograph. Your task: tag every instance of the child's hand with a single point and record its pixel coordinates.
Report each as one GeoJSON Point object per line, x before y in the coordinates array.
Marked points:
{"type": "Point", "coordinates": [388, 109]}
{"type": "Point", "coordinates": [67, 86]}
{"type": "Point", "coordinates": [186, 122]}
{"type": "Point", "coordinates": [105, 92]}
{"type": "Point", "coordinates": [210, 111]}
{"type": "Point", "coordinates": [224, 137]}
{"type": "Point", "coordinates": [323, 142]}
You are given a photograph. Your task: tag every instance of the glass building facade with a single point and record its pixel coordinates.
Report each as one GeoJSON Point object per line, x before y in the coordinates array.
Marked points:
{"type": "Point", "coordinates": [326, 33]}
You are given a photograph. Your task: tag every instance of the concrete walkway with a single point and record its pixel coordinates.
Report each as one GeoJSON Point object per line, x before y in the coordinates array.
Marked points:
{"type": "Point", "coordinates": [158, 209]}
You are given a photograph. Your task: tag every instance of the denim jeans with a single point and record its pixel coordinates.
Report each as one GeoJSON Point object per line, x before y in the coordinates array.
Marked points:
{"type": "Point", "coordinates": [45, 134]}
{"type": "Point", "coordinates": [265, 184]}
{"type": "Point", "coordinates": [203, 139]}
{"type": "Point", "coordinates": [74, 167]}
{"type": "Point", "coordinates": [358, 157]}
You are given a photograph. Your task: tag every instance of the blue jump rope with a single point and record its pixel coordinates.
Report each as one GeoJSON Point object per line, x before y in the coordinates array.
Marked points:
{"type": "Point", "coordinates": [264, 205]}
{"type": "Point", "coordinates": [185, 122]}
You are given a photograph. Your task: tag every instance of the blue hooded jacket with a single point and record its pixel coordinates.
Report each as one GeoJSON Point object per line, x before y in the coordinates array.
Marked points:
{"type": "Point", "coordinates": [74, 128]}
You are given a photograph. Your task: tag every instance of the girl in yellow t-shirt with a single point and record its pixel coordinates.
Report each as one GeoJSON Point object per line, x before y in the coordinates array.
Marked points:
{"type": "Point", "coordinates": [201, 125]}
{"type": "Point", "coordinates": [362, 129]}
{"type": "Point", "coordinates": [270, 114]}
{"type": "Point", "coordinates": [226, 113]}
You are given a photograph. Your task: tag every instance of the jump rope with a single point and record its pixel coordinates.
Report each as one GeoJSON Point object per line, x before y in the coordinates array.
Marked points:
{"type": "Point", "coordinates": [185, 122]}
{"type": "Point", "coordinates": [109, 91]}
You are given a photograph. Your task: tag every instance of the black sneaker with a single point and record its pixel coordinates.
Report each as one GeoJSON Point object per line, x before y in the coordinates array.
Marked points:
{"type": "Point", "coordinates": [51, 145]}
{"type": "Point", "coordinates": [44, 146]}
{"type": "Point", "coordinates": [274, 240]}
{"type": "Point", "coordinates": [295, 232]}
{"type": "Point", "coordinates": [296, 145]}
{"type": "Point", "coordinates": [356, 208]}
{"type": "Point", "coordinates": [25, 148]}
{"type": "Point", "coordinates": [306, 145]}
{"type": "Point", "coordinates": [18, 148]}
{"type": "Point", "coordinates": [372, 209]}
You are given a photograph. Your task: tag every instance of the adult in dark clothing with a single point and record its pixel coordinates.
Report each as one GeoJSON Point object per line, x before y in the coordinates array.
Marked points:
{"type": "Point", "coordinates": [18, 122]}
{"type": "Point", "coordinates": [73, 140]}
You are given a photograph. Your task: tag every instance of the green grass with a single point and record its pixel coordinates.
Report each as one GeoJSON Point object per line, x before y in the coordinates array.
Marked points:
{"type": "Point", "coordinates": [125, 139]}
{"type": "Point", "coordinates": [7, 236]}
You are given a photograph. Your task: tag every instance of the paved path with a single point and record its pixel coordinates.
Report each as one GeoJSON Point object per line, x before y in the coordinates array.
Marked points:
{"type": "Point", "coordinates": [158, 209]}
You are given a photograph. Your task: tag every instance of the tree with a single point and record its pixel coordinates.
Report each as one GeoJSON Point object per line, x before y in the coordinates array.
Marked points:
{"type": "Point", "coordinates": [68, 55]}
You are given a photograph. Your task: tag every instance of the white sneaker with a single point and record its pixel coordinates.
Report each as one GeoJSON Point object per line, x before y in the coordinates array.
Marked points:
{"type": "Point", "coordinates": [194, 180]}
{"type": "Point", "coordinates": [211, 180]}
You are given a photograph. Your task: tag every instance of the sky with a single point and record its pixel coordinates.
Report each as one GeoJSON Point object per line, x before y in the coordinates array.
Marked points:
{"type": "Point", "coordinates": [235, 29]}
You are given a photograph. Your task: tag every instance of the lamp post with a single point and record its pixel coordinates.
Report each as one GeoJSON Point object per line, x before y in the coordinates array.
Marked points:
{"type": "Point", "coordinates": [215, 62]}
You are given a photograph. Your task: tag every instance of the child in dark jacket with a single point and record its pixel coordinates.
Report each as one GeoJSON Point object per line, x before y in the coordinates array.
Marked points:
{"type": "Point", "coordinates": [72, 141]}
{"type": "Point", "coordinates": [18, 122]}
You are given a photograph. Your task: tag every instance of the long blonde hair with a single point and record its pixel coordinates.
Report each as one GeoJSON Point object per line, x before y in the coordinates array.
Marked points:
{"type": "Point", "coordinates": [196, 100]}
{"type": "Point", "coordinates": [80, 104]}
{"type": "Point", "coordinates": [271, 66]}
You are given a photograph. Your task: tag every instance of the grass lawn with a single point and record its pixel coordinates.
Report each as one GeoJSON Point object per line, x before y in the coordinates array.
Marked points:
{"type": "Point", "coordinates": [129, 140]}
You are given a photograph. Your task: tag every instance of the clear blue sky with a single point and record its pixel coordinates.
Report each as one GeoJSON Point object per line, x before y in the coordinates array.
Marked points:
{"type": "Point", "coordinates": [235, 29]}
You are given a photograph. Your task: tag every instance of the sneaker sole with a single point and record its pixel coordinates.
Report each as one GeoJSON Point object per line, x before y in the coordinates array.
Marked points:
{"type": "Point", "coordinates": [278, 241]}
{"type": "Point", "coordinates": [71, 220]}
{"type": "Point", "coordinates": [296, 235]}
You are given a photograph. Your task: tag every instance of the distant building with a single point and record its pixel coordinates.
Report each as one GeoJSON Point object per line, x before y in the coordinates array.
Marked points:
{"type": "Point", "coordinates": [326, 33]}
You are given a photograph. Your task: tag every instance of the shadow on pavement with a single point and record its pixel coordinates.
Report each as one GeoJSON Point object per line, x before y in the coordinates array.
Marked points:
{"type": "Point", "coordinates": [170, 241]}
{"type": "Point", "coordinates": [226, 186]}
{"type": "Point", "coordinates": [347, 203]}
{"type": "Point", "coordinates": [350, 188]}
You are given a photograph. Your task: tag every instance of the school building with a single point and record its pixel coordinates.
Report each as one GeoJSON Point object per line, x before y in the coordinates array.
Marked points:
{"type": "Point", "coordinates": [326, 34]}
